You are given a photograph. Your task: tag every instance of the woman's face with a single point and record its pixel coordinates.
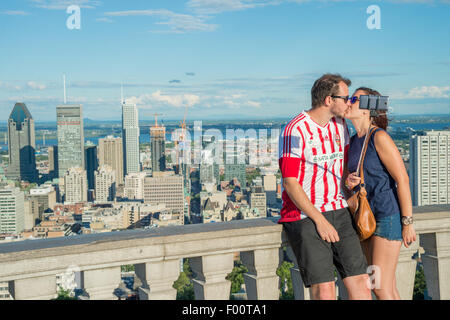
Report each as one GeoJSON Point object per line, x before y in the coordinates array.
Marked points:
{"type": "Point", "coordinates": [353, 111]}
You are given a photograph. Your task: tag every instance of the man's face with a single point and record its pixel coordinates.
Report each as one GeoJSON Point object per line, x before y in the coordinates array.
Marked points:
{"type": "Point", "coordinates": [339, 106]}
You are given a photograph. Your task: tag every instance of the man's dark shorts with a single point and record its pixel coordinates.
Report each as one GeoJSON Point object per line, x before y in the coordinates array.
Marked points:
{"type": "Point", "coordinates": [318, 258]}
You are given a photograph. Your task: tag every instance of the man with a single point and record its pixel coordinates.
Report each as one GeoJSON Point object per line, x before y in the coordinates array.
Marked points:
{"type": "Point", "coordinates": [315, 215]}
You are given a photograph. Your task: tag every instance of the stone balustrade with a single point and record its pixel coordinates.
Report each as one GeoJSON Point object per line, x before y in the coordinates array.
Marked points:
{"type": "Point", "coordinates": [30, 267]}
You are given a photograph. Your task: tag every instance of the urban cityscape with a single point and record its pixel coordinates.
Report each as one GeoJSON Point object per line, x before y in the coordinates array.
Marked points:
{"type": "Point", "coordinates": [192, 161]}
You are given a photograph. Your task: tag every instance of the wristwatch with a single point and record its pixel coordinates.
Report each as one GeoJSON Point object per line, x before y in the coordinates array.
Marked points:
{"type": "Point", "coordinates": [407, 220]}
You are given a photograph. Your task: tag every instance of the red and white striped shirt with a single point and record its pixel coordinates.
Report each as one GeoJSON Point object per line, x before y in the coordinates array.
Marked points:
{"type": "Point", "coordinates": [315, 156]}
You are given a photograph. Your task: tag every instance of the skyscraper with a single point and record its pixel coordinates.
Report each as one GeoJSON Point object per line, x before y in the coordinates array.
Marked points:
{"type": "Point", "coordinates": [105, 184]}
{"type": "Point", "coordinates": [75, 186]}
{"type": "Point", "coordinates": [12, 210]}
{"type": "Point", "coordinates": [158, 148]}
{"type": "Point", "coordinates": [21, 145]}
{"type": "Point", "coordinates": [91, 162]}
{"type": "Point", "coordinates": [53, 161]}
{"type": "Point", "coordinates": [130, 137]}
{"type": "Point", "coordinates": [70, 137]}
{"type": "Point", "coordinates": [110, 152]}
{"type": "Point", "coordinates": [429, 168]}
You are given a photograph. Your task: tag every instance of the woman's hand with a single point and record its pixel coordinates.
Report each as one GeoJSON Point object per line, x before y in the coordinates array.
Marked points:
{"type": "Point", "coordinates": [352, 181]}
{"type": "Point", "coordinates": [408, 235]}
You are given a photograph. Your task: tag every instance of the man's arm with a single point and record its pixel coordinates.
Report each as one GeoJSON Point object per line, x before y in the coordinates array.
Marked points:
{"type": "Point", "coordinates": [298, 196]}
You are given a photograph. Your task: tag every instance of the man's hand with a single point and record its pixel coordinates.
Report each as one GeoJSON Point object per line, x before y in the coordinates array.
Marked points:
{"type": "Point", "coordinates": [326, 231]}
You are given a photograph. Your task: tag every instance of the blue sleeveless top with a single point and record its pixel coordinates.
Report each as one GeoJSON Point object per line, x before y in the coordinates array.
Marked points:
{"type": "Point", "coordinates": [380, 186]}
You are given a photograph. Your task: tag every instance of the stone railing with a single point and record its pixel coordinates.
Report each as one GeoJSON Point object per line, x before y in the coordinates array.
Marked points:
{"type": "Point", "coordinates": [30, 267]}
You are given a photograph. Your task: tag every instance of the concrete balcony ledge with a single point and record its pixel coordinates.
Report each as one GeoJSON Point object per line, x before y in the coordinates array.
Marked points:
{"type": "Point", "coordinates": [156, 254]}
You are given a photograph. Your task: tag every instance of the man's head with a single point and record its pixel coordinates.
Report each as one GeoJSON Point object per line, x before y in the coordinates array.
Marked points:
{"type": "Point", "coordinates": [330, 91]}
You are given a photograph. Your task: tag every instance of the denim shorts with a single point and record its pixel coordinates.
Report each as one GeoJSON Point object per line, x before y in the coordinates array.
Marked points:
{"type": "Point", "coordinates": [389, 227]}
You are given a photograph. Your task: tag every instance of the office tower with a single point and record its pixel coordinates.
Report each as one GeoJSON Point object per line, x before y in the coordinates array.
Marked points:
{"type": "Point", "coordinates": [134, 185]}
{"type": "Point", "coordinates": [258, 200]}
{"type": "Point", "coordinates": [207, 174]}
{"type": "Point", "coordinates": [158, 148]}
{"type": "Point", "coordinates": [31, 212]}
{"type": "Point", "coordinates": [46, 197]}
{"type": "Point", "coordinates": [166, 189]}
{"type": "Point", "coordinates": [236, 171]}
{"type": "Point", "coordinates": [12, 210]}
{"type": "Point", "coordinates": [110, 152]}
{"type": "Point", "coordinates": [21, 145]}
{"type": "Point", "coordinates": [130, 137]}
{"type": "Point", "coordinates": [270, 186]}
{"type": "Point", "coordinates": [429, 168]}
{"type": "Point", "coordinates": [53, 161]}
{"type": "Point", "coordinates": [70, 138]}
{"type": "Point", "coordinates": [91, 163]}
{"type": "Point", "coordinates": [75, 186]}
{"type": "Point", "coordinates": [105, 184]}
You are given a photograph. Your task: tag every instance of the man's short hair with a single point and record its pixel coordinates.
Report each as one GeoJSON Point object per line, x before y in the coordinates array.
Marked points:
{"type": "Point", "coordinates": [326, 85]}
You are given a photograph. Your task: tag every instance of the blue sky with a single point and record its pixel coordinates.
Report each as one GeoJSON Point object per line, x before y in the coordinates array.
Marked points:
{"type": "Point", "coordinates": [222, 58]}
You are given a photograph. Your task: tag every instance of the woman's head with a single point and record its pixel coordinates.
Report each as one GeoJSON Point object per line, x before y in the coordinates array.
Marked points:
{"type": "Point", "coordinates": [377, 118]}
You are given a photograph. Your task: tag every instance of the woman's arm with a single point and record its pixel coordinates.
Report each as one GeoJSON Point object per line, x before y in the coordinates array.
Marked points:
{"type": "Point", "coordinates": [390, 157]}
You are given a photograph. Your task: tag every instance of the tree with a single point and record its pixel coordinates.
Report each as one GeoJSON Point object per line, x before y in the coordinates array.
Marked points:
{"type": "Point", "coordinates": [236, 276]}
{"type": "Point", "coordinates": [420, 284]}
{"type": "Point", "coordinates": [64, 294]}
{"type": "Point", "coordinates": [284, 272]}
{"type": "Point", "coordinates": [183, 285]}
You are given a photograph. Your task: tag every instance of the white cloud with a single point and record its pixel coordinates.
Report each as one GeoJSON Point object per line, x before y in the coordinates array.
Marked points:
{"type": "Point", "coordinates": [36, 86]}
{"type": "Point", "coordinates": [16, 13]}
{"type": "Point", "coordinates": [177, 23]}
{"type": "Point", "coordinates": [158, 98]}
{"type": "Point", "coordinates": [10, 86]}
{"type": "Point", "coordinates": [218, 6]}
{"type": "Point", "coordinates": [105, 20]}
{"type": "Point", "coordinates": [63, 4]}
{"type": "Point", "coordinates": [433, 92]}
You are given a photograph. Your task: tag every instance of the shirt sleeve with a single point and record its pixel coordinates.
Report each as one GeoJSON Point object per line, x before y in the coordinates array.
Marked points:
{"type": "Point", "coordinates": [291, 151]}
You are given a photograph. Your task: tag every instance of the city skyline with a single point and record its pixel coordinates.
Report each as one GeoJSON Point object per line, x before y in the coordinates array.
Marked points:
{"type": "Point", "coordinates": [221, 58]}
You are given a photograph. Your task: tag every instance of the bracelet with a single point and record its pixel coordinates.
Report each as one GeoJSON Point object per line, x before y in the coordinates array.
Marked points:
{"type": "Point", "coordinates": [407, 220]}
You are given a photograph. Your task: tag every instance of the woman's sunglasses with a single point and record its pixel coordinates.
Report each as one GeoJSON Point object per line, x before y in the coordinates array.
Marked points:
{"type": "Point", "coordinates": [346, 98]}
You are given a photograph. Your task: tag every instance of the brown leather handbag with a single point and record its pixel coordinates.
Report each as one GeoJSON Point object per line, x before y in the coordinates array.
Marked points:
{"type": "Point", "coordinates": [358, 203]}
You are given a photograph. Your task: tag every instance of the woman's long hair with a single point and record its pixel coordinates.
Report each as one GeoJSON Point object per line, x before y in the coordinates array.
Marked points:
{"type": "Point", "coordinates": [380, 120]}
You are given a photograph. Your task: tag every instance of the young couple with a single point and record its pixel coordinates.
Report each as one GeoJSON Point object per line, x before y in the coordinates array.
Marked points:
{"type": "Point", "coordinates": [318, 162]}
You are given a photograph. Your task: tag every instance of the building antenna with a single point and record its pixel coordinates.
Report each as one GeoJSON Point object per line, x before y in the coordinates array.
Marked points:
{"type": "Point", "coordinates": [64, 81]}
{"type": "Point", "coordinates": [121, 93]}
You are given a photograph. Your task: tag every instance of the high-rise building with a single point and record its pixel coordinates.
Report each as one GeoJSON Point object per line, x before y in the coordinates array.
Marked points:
{"type": "Point", "coordinates": [21, 145]}
{"type": "Point", "coordinates": [270, 186]}
{"type": "Point", "coordinates": [429, 168]}
{"type": "Point", "coordinates": [134, 185]}
{"type": "Point", "coordinates": [105, 184]}
{"type": "Point", "coordinates": [110, 152]}
{"type": "Point", "coordinates": [165, 188]}
{"type": "Point", "coordinates": [45, 196]}
{"type": "Point", "coordinates": [70, 137]}
{"type": "Point", "coordinates": [130, 137]}
{"type": "Point", "coordinates": [234, 169]}
{"type": "Point", "coordinates": [12, 210]}
{"type": "Point", "coordinates": [53, 161]}
{"type": "Point", "coordinates": [75, 186]}
{"type": "Point", "coordinates": [258, 200]}
{"type": "Point", "coordinates": [91, 163]}
{"type": "Point", "coordinates": [158, 148]}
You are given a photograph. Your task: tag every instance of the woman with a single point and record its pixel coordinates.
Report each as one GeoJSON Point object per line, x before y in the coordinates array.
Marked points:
{"type": "Point", "coordinates": [388, 192]}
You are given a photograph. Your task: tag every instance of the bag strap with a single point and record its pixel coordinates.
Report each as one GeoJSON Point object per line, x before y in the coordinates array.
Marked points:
{"type": "Point", "coordinates": [363, 153]}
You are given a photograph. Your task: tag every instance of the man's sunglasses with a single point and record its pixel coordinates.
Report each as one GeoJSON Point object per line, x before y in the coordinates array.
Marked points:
{"type": "Point", "coordinates": [346, 98]}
